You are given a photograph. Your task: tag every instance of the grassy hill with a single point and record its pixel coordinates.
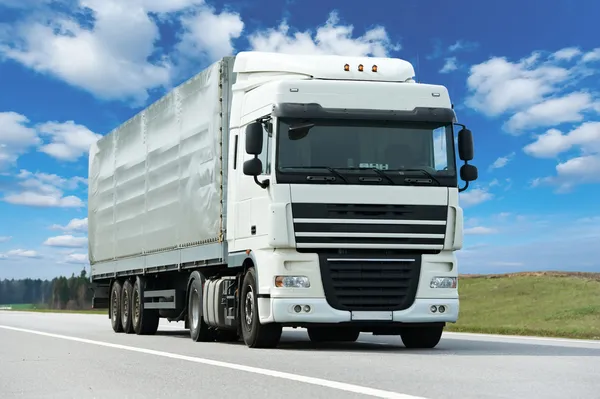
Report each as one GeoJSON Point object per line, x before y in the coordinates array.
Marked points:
{"type": "Point", "coordinates": [553, 304]}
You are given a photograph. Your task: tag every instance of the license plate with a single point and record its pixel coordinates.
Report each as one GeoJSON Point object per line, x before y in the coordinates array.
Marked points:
{"type": "Point", "coordinates": [366, 315]}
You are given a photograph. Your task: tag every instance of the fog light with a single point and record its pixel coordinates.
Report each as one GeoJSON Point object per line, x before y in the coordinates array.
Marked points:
{"type": "Point", "coordinates": [292, 282]}
{"type": "Point", "coordinates": [433, 308]}
{"type": "Point", "coordinates": [442, 308]}
{"type": "Point", "coordinates": [297, 308]}
{"type": "Point", "coordinates": [306, 308]}
{"type": "Point", "coordinates": [443, 282]}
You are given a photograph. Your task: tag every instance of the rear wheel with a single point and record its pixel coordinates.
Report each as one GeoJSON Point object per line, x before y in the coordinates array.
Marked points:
{"type": "Point", "coordinates": [115, 307]}
{"type": "Point", "coordinates": [145, 321]}
{"type": "Point", "coordinates": [126, 308]}
{"type": "Point", "coordinates": [421, 337]}
{"type": "Point", "coordinates": [255, 335]}
{"type": "Point", "coordinates": [333, 334]}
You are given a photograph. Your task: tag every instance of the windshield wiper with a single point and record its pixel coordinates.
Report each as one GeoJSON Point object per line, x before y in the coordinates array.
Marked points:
{"type": "Point", "coordinates": [330, 169]}
{"type": "Point", "coordinates": [426, 173]}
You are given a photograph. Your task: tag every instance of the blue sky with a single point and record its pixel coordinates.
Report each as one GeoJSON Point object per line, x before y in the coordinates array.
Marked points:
{"type": "Point", "coordinates": [523, 76]}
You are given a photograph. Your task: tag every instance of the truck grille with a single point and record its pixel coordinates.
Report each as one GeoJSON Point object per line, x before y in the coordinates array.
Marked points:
{"type": "Point", "coordinates": [371, 226]}
{"type": "Point", "coordinates": [376, 284]}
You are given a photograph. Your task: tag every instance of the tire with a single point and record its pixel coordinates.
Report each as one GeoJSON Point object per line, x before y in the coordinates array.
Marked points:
{"type": "Point", "coordinates": [199, 331]}
{"type": "Point", "coordinates": [333, 334]}
{"type": "Point", "coordinates": [126, 308]}
{"type": "Point", "coordinates": [115, 306]}
{"type": "Point", "coordinates": [145, 321]}
{"type": "Point", "coordinates": [421, 337]}
{"type": "Point", "coordinates": [255, 335]}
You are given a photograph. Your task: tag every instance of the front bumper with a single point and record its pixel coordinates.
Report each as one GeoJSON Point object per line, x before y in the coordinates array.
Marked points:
{"type": "Point", "coordinates": [282, 311]}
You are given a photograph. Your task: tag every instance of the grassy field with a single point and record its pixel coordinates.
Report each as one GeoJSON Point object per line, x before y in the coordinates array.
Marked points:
{"type": "Point", "coordinates": [540, 304]}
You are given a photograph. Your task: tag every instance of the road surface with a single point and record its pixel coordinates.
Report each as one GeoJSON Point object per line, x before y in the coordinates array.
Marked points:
{"type": "Point", "coordinates": [46, 355]}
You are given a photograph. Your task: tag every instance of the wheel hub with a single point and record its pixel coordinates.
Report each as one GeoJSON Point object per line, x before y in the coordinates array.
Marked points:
{"type": "Point", "coordinates": [249, 307]}
{"type": "Point", "coordinates": [195, 309]}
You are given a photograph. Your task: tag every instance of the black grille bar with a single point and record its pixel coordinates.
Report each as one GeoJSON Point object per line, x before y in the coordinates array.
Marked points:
{"type": "Point", "coordinates": [370, 240]}
{"type": "Point", "coordinates": [369, 211]}
{"type": "Point", "coordinates": [369, 228]}
{"type": "Point", "coordinates": [363, 283]}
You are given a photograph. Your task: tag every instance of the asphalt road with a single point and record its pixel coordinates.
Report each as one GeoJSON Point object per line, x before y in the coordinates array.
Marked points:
{"type": "Point", "coordinates": [78, 356]}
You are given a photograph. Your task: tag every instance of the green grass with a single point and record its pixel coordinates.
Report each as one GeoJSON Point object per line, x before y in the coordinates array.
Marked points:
{"type": "Point", "coordinates": [541, 304]}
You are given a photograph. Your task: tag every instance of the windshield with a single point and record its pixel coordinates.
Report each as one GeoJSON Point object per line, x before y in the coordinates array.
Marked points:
{"type": "Point", "coordinates": [392, 149]}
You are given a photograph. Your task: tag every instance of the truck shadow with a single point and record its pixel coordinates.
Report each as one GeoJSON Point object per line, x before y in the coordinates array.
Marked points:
{"type": "Point", "coordinates": [298, 341]}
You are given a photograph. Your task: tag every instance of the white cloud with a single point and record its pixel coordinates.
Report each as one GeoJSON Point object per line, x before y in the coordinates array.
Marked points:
{"type": "Point", "coordinates": [5, 238]}
{"type": "Point", "coordinates": [554, 142]}
{"type": "Point", "coordinates": [502, 161]}
{"type": "Point", "coordinates": [567, 53]}
{"type": "Point", "coordinates": [22, 253]}
{"type": "Point", "coordinates": [75, 225]}
{"type": "Point", "coordinates": [479, 230]}
{"type": "Point", "coordinates": [450, 65]}
{"type": "Point", "coordinates": [196, 43]}
{"type": "Point", "coordinates": [112, 54]}
{"type": "Point", "coordinates": [66, 241]}
{"type": "Point", "coordinates": [45, 190]}
{"type": "Point", "coordinates": [330, 38]}
{"type": "Point", "coordinates": [462, 45]}
{"type": "Point", "coordinates": [475, 196]}
{"type": "Point", "coordinates": [66, 141]}
{"type": "Point", "coordinates": [497, 86]}
{"type": "Point", "coordinates": [77, 258]}
{"type": "Point", "coordinates": [553, 111]}
{"type": "Point", "coordinates": [15, 137]}
{"type": "Point", "coordinates": [592, 56]}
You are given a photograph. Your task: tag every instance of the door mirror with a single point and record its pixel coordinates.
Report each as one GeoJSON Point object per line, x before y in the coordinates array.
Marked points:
{"type": "Point", "coordinates": [468, 173]}
{"type": "Point", "coordinates": [254, 139]}
{"type": "Point", "coordinates": [465, 144]}
{"type": "Point", "coordinates": [253, 167]}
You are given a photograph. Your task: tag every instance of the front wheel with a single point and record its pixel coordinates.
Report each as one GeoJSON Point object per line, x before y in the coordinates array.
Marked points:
{"type": "Point", "coordinates": [255, 335]}
{"type": "Point", "coordinates": [421, 337]}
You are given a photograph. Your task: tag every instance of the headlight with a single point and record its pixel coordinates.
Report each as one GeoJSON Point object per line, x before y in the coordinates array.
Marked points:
{"type": "Point", "coordinates": [443, 282]}
{"type": "Point", "coordinates": [292, 282]}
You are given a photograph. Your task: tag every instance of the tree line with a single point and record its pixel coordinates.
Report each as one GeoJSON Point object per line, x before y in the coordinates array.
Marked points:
{"type": "Point", "coordinates": [63, 293]}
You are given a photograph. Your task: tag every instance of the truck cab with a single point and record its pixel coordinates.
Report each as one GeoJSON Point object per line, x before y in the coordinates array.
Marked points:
{"type": "Point", "coordinates": [343, 193]}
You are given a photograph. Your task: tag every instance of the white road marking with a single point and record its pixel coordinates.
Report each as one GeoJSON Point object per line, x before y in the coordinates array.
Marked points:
{"type": "Point", "coordinates": [378, 393]}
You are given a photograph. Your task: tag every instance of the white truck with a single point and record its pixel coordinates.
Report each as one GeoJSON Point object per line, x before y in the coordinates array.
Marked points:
{"type": "Point", "coordinates": [275, 190]}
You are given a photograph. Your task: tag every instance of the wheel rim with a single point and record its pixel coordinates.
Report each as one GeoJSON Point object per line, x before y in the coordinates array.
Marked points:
{"type": "Point", "coordinates": [115, 305]}
{"type": "Point", "coordinates": [249, 307]}
{"type": "Point", "coordinates": [136, 306]}
{"type": "Point", "coordinates": [125, 305]}
{"type": "Point", "coordinates": [195, 309]}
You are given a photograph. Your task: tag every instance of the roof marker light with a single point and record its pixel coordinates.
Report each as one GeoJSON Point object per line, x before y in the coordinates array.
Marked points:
{"type": "Point", "coordinates": [346, 67]}
{"type": "Point", "coordinates": [374, 69]}
{"type": "Point", "coordinates": [361, 68]}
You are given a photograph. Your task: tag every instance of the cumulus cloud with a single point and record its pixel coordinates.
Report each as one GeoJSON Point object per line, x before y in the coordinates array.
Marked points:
{"type": "Point", "coordinates": [75, 225]}
{"type": "Point", "coordinates": [451, 65]}
{"type": "Point", "coordinates": [22, 253]}
{"type": "Point", "coordinates": [16, 138]}
{"type": "Point", "coordinates": [501, 162]}
{"type": "Point", "coordinates": [331, 38]}
{"type": "Point", "coordinates": [479, 230]}
{"type": "Point", "coordinates": [110, 48]}
{"type": "Point", "coordinates": [475, 196]}
{"type": "Point", "coordinates": [79, 259]}
{"type": "Point", "coordinates": [65, 141]}
{"type": "Point", "coordinates": [66, 241]}
{"type": "Point", "coordinates": [45, 190]}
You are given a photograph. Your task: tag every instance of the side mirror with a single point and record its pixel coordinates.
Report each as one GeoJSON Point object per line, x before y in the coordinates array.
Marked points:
{"type": "Point", "coordinates": [468, 173]}
{"type": "Point", "coordinates": [254, 139]}
{"type": "Point", "coordinates": [465, 144]}
{"type": "Point", "coordinates": [253, 167]}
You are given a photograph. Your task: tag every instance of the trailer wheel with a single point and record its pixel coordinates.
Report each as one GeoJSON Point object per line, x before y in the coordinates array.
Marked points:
{"type": "Point", "coordinates": [126, 308]}
{"type": "Point", "coordinates": [199, 330]}
{"type": "Point", "coordinates": [333, 334]}
{"type": "Point", "coordinates": [255, 335]}
{"type": "Point", "coordinates": [145, 321]}
{"type": "Point", "coordinates": [115, 306]}
{"type": "Point", "coordinates": [421, 337]}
